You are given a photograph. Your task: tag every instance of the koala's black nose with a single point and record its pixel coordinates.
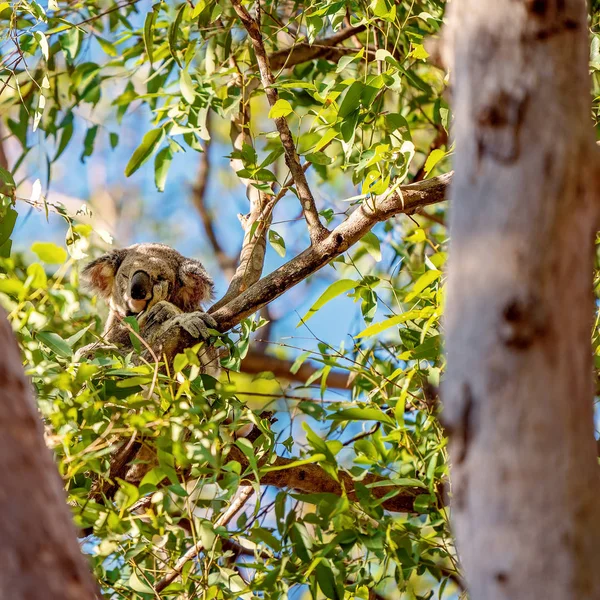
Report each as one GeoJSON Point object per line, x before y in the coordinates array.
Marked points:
{"type": "Point", "coordinates": [140, 286]}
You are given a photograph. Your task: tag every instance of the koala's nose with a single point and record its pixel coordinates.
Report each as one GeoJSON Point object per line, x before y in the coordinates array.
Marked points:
{"type": "Point", "coordinates": [140, 286]}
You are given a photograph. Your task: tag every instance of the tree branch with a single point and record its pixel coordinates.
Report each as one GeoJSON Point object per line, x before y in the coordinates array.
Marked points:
{"type": "Point", "coordinates": [317, 230]}
{"type": "Point", "coordinates": [326, 49]}
{"type": "Point", "coordinates": [406, 199]}
{"type": "Point", "coordinates": [226, 262]}
{"type": "Point", "coordinates": [258, 362]}
{"type": "Point", "coordinates": [252, 254]}
{"type": "Point", "coordinates": [192, 552]}
{"type": "Point", "coordinates": [312, 479]}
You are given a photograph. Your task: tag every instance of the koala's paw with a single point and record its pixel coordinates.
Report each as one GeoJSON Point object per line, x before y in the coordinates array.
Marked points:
{"type": "Point", "coordinates": [196, 324]}
{"type": "Point", "coordinates": [160, 313]}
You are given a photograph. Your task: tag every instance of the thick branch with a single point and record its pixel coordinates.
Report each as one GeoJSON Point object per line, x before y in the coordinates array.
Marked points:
{"type": "Point", "coordinates": [252, 254]}
{"type": "Point", "coordinates": [312, 479]}
{"type": "Point", "coordinates": [316, 229]}
{"type": "Point", "coordinates": [407, 199]}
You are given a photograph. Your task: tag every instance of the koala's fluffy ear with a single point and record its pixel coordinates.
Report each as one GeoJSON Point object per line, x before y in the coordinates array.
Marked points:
{"type": "Point", "coordinates": [194, 287]}
{"type": "Point", "coordinates": [99, 275]}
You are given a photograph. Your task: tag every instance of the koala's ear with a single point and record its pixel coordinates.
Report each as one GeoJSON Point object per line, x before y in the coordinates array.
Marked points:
{"type": "Point", "coordinates": [99, 275]}
{"type": "Point", "coordinates": [194, 287]}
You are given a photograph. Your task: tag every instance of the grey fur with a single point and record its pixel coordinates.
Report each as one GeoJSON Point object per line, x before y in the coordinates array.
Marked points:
{"type": "Point", "coordinates": [167, 292]}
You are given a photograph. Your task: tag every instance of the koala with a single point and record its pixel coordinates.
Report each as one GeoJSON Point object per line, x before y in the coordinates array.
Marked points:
{"type": "Point", "coordinates": [162, 288]}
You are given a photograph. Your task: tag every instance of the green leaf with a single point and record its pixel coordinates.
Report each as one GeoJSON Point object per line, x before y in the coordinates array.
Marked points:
{"type": "Point", "coordinates": [139, 585]}
{"type": "Point", "coordinates": [326, 580]}
{"type": "Point", "coordinates": [55, 343]}
{"type": "Point", "coordinates": [70, 43]}
{"type": "Point", "coordinates": [43, 42]}
{"type": "Point", "coordinates": [433, 159]}
{"type": "Point", "coordinates": [371, 242]}
{"type": "Point", "coordinates": [145, 150]}
{"type": "Point", "coordinates": [49, 253]}
{"type": "Point", "coordinates": [187, 87]}
{"type": "Point", "coordinates": [248, 449]}
{"type": "Point", "coordinates": [395, 121]}
{"type": "Point", "coordinates": [344, 61]}
{"type": "Point", "coordinates": [181, 362]}
{"type": "Point", "coordinates": [149, 35]}
{"type": "Point", "coordinates": [362, 414]}
{"type": "Point", "coordinates": [174, 30]}
{"type": "Point", "coordinates": [419, 52]}
{"type": "Point", "coordinates": [319, 158]}
{"type": "Point", "coordinates": [73, 339]}
{"type": "Point", "coordinates": [281, 108]}
{"type": "Point", "coordinates": [423, 282]}
{"type": "Point", "coordinates": [162, 162]}
{"type": "Point", "coordinates": [329, 135]}
{"type": "Point", "coordinates": [134, 339]}
{"type": "Point", "coordinates": [36, 276]}
{"type": "Point", "coordinates": [7, 224]}
{"type": "Point", "coordinates": [397, 320]}
{"type": "Point", "coordinates": [351, 100]}
{"type": "Point", "coordinates": [65, 138]}
{"type": "Point", "coordinates": [334, 290]}
{"type": "Point", "coordinates": [277, 242]}
{"type": "Point", "coordinates": [108, 47]}
{"type": "Point", "coordinates": [400, 482]}
{"type": "Point", "coordinates": [88, 142]}
{"type": "Point", "coordinates": [296, 463]}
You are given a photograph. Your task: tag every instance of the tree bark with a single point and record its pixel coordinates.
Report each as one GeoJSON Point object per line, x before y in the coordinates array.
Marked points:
{"type": "Point", "coordinates": [39, 555]}
{"type": "Point", "coordinates": [518, 392]}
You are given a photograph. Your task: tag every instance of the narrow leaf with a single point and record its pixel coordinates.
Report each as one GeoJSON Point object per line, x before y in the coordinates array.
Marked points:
{"type": "Point", "coordinates": [334, 290]}
{"type": "Point", "coordinates": [145, 150]}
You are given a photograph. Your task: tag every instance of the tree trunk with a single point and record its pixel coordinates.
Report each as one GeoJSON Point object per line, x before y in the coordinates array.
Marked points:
{"type": "Point", "coordinates": [40, 558]}
{"type": "Point", "coordinates": [518, 392]}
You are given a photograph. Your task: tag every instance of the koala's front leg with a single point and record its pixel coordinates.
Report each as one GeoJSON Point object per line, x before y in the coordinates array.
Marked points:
{"type": "Point", "coordinates": [152, 322]}
{"type": "Point", "coordinates": [195, 323]}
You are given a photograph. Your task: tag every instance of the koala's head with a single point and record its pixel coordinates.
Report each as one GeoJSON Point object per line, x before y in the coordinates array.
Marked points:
{"type": "Point", "coordinates": [131, 279]}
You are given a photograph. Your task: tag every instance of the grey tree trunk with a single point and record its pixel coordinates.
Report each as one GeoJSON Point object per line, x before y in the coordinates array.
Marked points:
{"type": "Point", "coordinates": [40, 558]}
{"type": "Point", "coordinates": [518, 392]}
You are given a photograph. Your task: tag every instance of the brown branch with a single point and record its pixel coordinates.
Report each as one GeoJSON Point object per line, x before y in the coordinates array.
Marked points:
{"type": "Point", "coordinates": [316, 229]}
{"type": "Point", "coordinates": [192, 552]}
{"type": "Point", "coordinates": [407, 199]}
{"type": "Point", "coordinates": [326, 49]}
{"type": "Point", "coordinates": [3, 157]}
{"type": "Point", "coordinates": [313, 479]}
{"type": "Point", "coordinates": [258, 362]}
{"type": "Point", "coordinates": [256, 223]}
{"type": "Point", "coordinates": [226, 262]}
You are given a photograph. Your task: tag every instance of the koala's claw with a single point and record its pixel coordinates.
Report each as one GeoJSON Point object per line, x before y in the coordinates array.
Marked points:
{"type": "Point", "coordinates": [196, 324]}
{"type": "Point", "coordinates": [160, 313]}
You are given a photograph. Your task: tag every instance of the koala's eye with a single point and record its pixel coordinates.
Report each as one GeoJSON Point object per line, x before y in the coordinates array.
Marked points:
{"type": "Point", "coordinates": [160, 278]}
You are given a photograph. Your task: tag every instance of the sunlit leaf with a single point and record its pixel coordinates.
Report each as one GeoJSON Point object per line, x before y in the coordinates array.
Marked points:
{"type": "Point", "coordinates": [145, 150]}
{"type": "Point", "coordinates": [335, 289]}
{"type": "Point", "coordinates": [49, 253]}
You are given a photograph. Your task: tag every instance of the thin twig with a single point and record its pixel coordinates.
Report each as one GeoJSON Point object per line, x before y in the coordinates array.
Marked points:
{"type": "Point", "coordinates": [317, 230]}
{"type": "Point", "coordinates": [233, 509]}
